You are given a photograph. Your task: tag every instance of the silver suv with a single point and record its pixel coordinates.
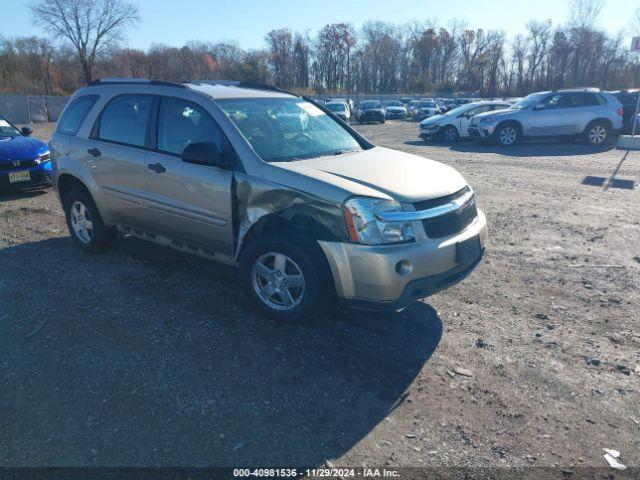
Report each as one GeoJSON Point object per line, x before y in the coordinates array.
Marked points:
{"type": "Point", "coordinates": [585, 112]}
{"type": "Point", "coordinates": [267, 181]}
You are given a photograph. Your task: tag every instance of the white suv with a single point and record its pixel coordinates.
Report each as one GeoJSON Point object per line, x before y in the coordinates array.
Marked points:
{"type": "Point", "coordinates": [455, 123]}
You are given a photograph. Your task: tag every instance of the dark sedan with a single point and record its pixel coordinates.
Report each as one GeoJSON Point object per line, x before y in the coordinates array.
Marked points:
{"type": "Point", "coordinates": [370, 111]}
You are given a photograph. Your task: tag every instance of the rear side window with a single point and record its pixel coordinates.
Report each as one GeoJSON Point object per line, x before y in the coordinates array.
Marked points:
{"type": "Point", "coordinates": [182, 122]}
{"type": "Point", "coordinates": [124, 120]}
{"type": "Point", "coordinates": [592, 100]}
{"type": "Point", "coordinates": [75, 113]}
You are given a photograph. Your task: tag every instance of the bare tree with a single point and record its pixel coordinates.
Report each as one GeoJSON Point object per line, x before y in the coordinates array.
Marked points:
{"type": "Point", "coordinates": [90, 26]}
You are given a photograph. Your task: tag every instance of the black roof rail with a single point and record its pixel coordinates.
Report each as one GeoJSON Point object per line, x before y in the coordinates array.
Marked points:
{"type": "Point", "coordinates": [239, 84]}
{"type": "Point", "coordinates": [135, 81]}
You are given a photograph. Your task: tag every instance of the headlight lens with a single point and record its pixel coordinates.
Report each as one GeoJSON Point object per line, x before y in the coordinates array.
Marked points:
{"type": "Point", "coordinates": [42, 158]}
{"type": "Point", "coordinates": [363, 226]}
{"type": "Point", "coordinates": [488, 120]}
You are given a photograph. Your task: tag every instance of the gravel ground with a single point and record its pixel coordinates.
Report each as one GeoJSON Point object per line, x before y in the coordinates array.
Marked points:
{"type": "Point", "coordinates": [145, 356]}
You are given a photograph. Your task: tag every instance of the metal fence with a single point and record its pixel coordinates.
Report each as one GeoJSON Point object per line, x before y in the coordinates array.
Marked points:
{"type": "Point", "coordinates": [19, 108]}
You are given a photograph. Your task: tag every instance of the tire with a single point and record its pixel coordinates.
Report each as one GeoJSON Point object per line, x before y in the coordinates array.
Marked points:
{"type": "Point", "coordinates": [597, 133]}
{"type": "Point", "coordinates": [382, 121]}
{"type": "Point", "coordinates": [85, 224]}
{"type": "Point", "coordinates": [507, 135]}
{"type": "Point", "coordinates": [450, 133]}
{"type": "Point", "coordinates": [270, 258]}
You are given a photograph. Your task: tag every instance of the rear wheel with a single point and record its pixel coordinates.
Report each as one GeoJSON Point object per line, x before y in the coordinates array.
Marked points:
{"type": "Point", "coordinates": [85, 224]}
{"type": "Point", "coordinates": [507, 135]}
{"type": "Point", "coordinates": [285, 276]}
{"type": "Point", "coordinates": [597, 133]}
{"type": "Point", "coordinates": [450, 133]}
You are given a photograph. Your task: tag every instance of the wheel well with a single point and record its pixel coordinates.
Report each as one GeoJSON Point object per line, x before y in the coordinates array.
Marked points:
{"type": "Point", "coordinates": [67, 182]}
{"type": "Point", "coordinates": [606, 121]}
{"type": "Point", "coordinates": [305, 224]}
{"type": "Point", "coordinates": [514, 123]}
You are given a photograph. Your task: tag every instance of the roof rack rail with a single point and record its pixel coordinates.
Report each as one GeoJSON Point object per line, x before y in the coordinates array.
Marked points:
{"type": "Point", "coordinates": [239, 84]}
{"type": "Point", "coordinates": [135, 81]}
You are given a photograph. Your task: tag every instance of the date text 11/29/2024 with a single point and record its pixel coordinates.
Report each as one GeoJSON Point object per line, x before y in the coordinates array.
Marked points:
{"type": "Point", "coordinates": [315, 472]}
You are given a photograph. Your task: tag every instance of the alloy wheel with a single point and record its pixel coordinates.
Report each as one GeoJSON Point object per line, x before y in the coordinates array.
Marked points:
{"type": "Point", "coordinates": [597, 134]}
{"type": "Point", "coordinates": [278, 281]}
{"type": "Point", "coordinates": [81, 222]}
{"type": "Point", "coordinates": [508, 135]}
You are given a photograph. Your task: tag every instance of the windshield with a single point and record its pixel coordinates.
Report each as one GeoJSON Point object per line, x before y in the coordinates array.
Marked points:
{"type": "Point", "coordinates": [427, 104]}
{"type": "Point", "coordinates": [8, 130]}
{"type": "Point", "coordinates": [393, 104]}
{"type": "Point", "coordinates": [286, 129]}
{"type": "Point", "coordinates": [335, 107]}
{"type": "Point", "coordinates": [527, 102]}
{"type": "Point", "coordinates": [371, 104]}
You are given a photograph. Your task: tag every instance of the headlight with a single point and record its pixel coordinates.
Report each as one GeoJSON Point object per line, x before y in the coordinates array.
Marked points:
{"type": "Point", "coordinates": [488, 120]}
{"type": "Point", "coordinates": [363, 226]}
{"type": "Point", "coordinates": [42, 158]}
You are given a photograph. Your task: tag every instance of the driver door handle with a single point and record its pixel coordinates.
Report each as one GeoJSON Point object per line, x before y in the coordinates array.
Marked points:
{"type": "Point", "coordinates": [94, 152]}
{"type": "Point", "coordinates": [156, 167]}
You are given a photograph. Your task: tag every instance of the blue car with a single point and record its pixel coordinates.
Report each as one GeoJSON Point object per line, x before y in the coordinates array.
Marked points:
{"type": "Point", "coordinates": [24, 161]}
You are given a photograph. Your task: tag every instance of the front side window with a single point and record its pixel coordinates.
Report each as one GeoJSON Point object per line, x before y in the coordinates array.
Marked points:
{"type": "Point", "coordinates": [75, 113]}
{"type": "Point", "coordinates": [125, 119]}
{"type": "Point", "coordinates": [182, 122]}
{"type": "Point", "coordinates": [287, 129]}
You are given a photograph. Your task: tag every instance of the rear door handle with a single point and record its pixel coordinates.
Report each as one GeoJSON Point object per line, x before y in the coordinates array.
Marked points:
{"type": "Point", "coordinates": [94, 152]}
{"type": "Point", "coordinates": [156, 167]}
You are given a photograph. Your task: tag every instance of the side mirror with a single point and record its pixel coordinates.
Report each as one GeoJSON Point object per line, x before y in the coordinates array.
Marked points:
{"type": "Point", "coordinates": [206, 153]}
{"type": "Point", "coordinates": [27, 131]}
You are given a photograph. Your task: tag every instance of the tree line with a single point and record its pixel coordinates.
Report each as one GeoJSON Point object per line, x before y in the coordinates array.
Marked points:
{"type": "Point", "coordinates": [380, 57]}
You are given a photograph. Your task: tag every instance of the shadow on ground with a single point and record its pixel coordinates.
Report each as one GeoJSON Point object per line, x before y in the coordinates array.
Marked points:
{"type": "Point", "coordinates": [9, 195]}
{"type": "Point", "coordinates": [551, 148]}
{"type": "Point", "coordinates": [144, 356]}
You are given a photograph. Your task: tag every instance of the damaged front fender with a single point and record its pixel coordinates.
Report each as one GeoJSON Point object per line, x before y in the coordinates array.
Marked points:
{"type": "Point", "coordinates": [259, 200]}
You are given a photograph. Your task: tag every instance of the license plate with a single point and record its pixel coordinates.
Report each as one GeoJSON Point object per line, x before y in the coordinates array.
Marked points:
{"type": "Point", "coordinates": [19, 177]}
{"type": "Point", "coordinates": [468, 251]}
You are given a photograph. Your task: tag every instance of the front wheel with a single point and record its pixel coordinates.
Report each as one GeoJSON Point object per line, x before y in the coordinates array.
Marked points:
{"type": "Point", "coordinates": [507, 135]}
{"type": "Point", "coordinates": [597, 134]}
{"type": "Point", "coordinates": [285, 276]}
{"type": "Point", "coordinates": [450, 134]}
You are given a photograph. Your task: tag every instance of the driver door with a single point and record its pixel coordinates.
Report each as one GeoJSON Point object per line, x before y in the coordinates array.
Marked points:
{"type": "Point", "coordinates": [186, 201]}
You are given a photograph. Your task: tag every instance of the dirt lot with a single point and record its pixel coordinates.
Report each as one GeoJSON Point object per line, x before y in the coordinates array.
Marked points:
{"type": "Point", "coordinates": [145, 356]}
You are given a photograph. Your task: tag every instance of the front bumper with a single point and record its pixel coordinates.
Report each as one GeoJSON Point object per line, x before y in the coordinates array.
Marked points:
{"type": "Point", "coordinates": [371, 117]}
{"type": "Point", "coordinates": [40, 177]}
{"type": "Point", "coordinates": [372, 277]}
{"type": "Point", "coordinates": [481, 131]}
{"type": "Point", "coordinates": [429, 131]}
{"type": "Point", "coordinates": [390, 115]}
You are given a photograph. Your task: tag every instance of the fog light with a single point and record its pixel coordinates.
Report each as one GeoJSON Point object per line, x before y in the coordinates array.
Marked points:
{"type": "Point", "coordinates": [404, 267]}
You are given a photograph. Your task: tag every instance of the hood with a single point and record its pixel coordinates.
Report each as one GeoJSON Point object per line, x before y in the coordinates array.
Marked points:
{"type": "Point", "coordinates": [396, 109]}
{"type": "Point", "coordinates": [506, 112]}
{"type": "Point", "coordinates": [382, 172]}
{"type": "Point", "coordinates": [432, 119]}
{"type": "Point", "coordinates": [21, 148]}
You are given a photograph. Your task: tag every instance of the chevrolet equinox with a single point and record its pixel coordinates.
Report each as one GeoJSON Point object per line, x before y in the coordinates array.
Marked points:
{"type": "Point", "coordinates": [268, 181]}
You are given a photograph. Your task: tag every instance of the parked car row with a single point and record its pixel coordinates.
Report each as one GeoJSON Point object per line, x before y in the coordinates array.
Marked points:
{"type": "Point", "coordinates": [584, 112]}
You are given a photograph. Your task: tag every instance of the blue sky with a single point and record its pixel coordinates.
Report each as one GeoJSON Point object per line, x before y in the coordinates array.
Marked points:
{"type": "Point", "coordinates": [246, 21]}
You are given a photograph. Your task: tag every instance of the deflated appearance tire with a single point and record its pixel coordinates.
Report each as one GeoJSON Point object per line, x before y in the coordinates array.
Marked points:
{"type": "Point", "coordinates": [286, 276]}
{"type": "Point", "coordinates": [85, 224]}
